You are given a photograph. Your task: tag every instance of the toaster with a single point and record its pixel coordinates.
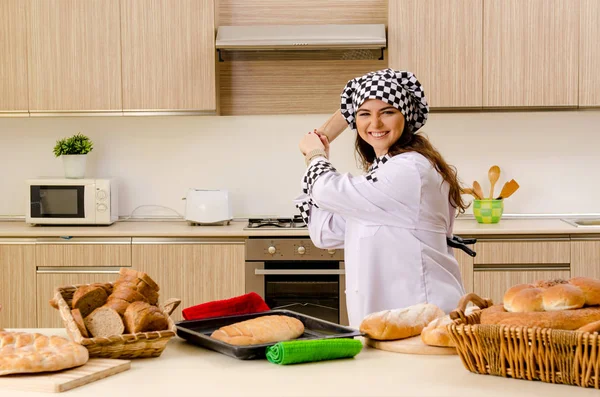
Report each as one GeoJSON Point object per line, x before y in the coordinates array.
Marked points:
{"type": "Point", "coordinates": [208, 206]}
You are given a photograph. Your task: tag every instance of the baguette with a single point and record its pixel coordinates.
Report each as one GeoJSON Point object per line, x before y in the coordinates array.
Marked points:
{"type": "Point", "coordinates": [563, 319]}
{"type": "Point", "coordinates": [265, 329]}
{"type": "Point", "coordinates": [399, 323]}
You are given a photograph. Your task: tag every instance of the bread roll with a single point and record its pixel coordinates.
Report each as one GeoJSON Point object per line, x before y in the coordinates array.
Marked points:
{"type": "Point", "coordinates": [562, 319]}
{"type": "Point", "coordinates": [399, 323]}
{"type": "Point", "coordinates": [563, 297]}
{"type": "Point", "coordinates": [22, 352]}
{"type": "Point", "coordinates": [105, 322]}
{"type": "Point", "coordinates": [523, 298]}
{"type": "Point", "coordinates": [264, 329]}
{"type": "Point", "coordinates": [590, 288]}
{"type": "Point", "coordinates": [143, 317]}
{"type": "Point", "coordinates": [436, 333]}
{"type": "Point", "coordinates": [79, 322]}
{"type": "Point", "coordinates": [89, 297]}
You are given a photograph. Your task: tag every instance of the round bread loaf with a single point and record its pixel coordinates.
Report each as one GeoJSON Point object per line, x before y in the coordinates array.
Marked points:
{"type": "Point", "coordinates": [552, 295]}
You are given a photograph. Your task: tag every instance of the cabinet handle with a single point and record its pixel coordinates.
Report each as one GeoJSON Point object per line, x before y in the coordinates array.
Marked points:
{"type": "Point", "coordinates": [13, 241]}
{"type": "Point", "coordinates": [82, 240]}
{"type": "Point", "coordinates": [76, 270]}
{"type": "Point", "coordinates": [185, 240]}
{"type": "Point", "coordinates": [519, 269]}
{"type": "Point", "coordinates": [261, 272]}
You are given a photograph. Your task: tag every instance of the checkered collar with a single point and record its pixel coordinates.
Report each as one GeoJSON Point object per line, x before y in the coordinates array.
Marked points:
{"type": "Point", "coordinates": [378, 161]}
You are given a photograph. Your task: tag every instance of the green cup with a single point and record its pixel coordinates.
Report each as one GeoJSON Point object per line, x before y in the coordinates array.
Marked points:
{"type": "Point", "coordinates": [488, 210]}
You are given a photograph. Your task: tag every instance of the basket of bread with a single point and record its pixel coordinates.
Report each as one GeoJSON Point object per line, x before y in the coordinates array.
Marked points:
{"type": "Point", "coordinates": [117, 320]}
{"type": "Point", "coordinates": [545, 331]}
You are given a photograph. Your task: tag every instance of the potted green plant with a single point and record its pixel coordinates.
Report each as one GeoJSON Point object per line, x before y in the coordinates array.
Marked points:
{"type": "Point", "coordinates": [73, 151]}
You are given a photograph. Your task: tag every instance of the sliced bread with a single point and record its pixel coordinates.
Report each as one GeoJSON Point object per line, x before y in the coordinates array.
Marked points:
{"type": "Point", "coordinates": [79, 322]}
{"type": "Point", "coordinates": [89, 297]}
{"type": "Point", "coordinates": [143, 317]}
{"type": "Point", "coordinates": [140, 286]}
{"type": "Point", "coordinates": [126, 272]}
{"type": "Point", "coordinates": [119, 305]}
{"type": "Point", "coordinates": [104, 322]}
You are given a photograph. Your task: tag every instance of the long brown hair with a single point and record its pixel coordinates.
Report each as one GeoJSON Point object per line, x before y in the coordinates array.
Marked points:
{"type": "Point", "coordinates": [409, 142]}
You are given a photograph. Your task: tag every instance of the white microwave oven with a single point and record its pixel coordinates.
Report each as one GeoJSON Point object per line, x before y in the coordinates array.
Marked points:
{"type": "Point", "coordinates": [72, 201]}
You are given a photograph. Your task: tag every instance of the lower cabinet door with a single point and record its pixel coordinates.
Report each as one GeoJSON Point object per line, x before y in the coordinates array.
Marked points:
{"type": "Point", "coordinates": [493, 284]}
{"type": "Point", "coordinates": [48, 279]}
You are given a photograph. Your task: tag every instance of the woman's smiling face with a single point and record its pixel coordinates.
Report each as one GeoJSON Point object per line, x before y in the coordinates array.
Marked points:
{"type": "Point", "coordinates": [379, 124]}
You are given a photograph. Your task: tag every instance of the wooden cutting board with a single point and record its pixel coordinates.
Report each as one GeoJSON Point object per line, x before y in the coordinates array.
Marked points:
{"type": "Point", "coordinates": [54, 382]}
{"type": "Point", "coordinates": [412, 345]}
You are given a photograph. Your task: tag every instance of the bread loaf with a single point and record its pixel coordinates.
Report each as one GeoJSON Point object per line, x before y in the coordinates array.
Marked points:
{"type": "Point", "coordinates": [140, 286]}
{"type": "Point", "coordinates": [553, 295]}
{"type": "Point", "coordinates": [89, 297]}
{"type": "Point", "coordinates": [436, 333]}
{"type": "Point", "coordinates": [399, 323]}
{"type": "Point", "coordinates": [143, 317]}
{"type": "Point", "coordinates": [119, 305]}
{"type": "Point", "coordinates": [22, 352]}
{"type": "Point", "coordinates": [563, 319]}
{"type": "Point", "coordinates": [265, 329]}
{"type": "Point", "coordinates": [104, 322]}
{"type": "Point", "coordinates": [130, 273]}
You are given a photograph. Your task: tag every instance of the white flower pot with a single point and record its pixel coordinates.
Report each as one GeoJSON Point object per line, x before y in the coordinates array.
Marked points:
{"type": "Point", "coordinates": [74, 165]}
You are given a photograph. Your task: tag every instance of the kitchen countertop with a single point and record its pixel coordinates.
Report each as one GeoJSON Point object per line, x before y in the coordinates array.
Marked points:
{"type": "Point", "coordinates": [188, 370]}
{"type": "Point", "coordinates": [463, 227]}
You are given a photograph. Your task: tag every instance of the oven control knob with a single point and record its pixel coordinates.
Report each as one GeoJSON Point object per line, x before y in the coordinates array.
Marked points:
{"type": "Point", "coordinates": [271, 250]}
{"type": "Point", "coordinates": [331, 252]}
{"type": "Point", "coordinates": [301, 250]}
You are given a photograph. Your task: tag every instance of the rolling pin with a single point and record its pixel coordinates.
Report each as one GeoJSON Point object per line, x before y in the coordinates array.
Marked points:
{"type": "Point", "coordinates": [334, 126]}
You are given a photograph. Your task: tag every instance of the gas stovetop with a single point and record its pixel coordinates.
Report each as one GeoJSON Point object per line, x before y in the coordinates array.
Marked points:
{"type": "Point", "coordinates": [276, 223]}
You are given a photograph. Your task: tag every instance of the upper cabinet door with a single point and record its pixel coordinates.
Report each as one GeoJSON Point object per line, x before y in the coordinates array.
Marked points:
{"type": "Point", "coordinates": [168, 55]}
{"type": "Point", "coordinates": [530, 55]}
{"type": "Point", "coordinates": [440, 42]}
{"type": "Point", "coordinates": [74, 55]}
{"type": "Point", "coordinates": [589, 54]}
{"type": "Point", "coordinates": [13, 59]}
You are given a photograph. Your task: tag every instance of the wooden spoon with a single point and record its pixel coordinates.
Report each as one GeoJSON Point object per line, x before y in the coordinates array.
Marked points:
{"type": "Point", "coordinates": [477, 189]}
{"type": "Point", "coordinates": [470, 191]}
{"type": "Point", "coordinates": [493, 175]}
{"type": "Point", "coordinates": [508, 189]}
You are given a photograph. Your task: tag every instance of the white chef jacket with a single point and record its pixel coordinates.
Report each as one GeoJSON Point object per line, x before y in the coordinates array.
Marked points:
{"type": "Point", "coordinates": [392, 224]}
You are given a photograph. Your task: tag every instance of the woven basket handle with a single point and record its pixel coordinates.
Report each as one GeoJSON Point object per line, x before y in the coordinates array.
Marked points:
{"type": "Point", "coordinates": [170, 305]}
{"type": "Point", "coordinates": [465, 300]}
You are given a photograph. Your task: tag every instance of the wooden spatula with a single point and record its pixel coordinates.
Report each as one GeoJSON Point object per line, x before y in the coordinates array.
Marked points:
{"type": "Point", "coordinates": [470, 191]}
{"type": "Point", "coordinates": [508, 189]}
{"type": "Point", "coordinates": [477, 189]}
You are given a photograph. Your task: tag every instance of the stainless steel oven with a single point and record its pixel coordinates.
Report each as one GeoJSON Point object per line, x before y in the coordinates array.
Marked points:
{"type": "Point", "coordinates": [291, 273]}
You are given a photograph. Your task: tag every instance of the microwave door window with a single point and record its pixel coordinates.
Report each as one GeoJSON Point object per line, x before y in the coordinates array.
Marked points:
{"type": "Point", "coordinates": [57, 201]}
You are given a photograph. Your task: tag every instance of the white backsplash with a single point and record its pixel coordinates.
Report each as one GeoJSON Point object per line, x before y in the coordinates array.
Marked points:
{"type": "Point", "coordinates": [553, 155]}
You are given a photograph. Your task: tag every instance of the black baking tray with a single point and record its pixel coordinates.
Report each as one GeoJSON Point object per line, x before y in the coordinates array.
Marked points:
{"type": "Point", "coordinates": [198, 332]}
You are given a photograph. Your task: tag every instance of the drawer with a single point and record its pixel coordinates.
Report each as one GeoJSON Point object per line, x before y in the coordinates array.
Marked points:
{"type": "Point", "coordinates": [77, 252]}
{"type": "Point", "coordinates": [523, 252]}
{"type": "Point", "coordinates": [493, 284]}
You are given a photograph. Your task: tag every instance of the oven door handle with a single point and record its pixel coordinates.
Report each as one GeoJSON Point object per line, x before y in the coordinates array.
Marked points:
{"type": "Point", "coordinates": [312, 272]}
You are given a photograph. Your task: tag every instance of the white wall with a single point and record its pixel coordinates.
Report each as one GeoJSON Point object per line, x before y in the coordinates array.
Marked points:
{"type": "Point", "coordinates": [553, 155]}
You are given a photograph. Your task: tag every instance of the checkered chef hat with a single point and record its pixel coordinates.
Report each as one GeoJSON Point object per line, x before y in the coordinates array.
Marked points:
{"type": "Point", "coordinates": [400, 89]}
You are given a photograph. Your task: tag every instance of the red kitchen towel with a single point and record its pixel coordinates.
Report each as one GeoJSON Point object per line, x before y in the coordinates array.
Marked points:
{"type": "Point", "coordinates": [243, 304]}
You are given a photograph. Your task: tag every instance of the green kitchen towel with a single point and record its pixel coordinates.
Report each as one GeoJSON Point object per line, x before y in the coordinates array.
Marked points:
{"type": "Point", "coordinates": [301, 351]}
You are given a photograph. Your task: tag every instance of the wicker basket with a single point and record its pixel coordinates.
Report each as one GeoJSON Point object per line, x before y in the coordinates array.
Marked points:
{"type": "Point", "coordinates": [547, 355]}
{"type": "Point", "coordinates": [139, 345]}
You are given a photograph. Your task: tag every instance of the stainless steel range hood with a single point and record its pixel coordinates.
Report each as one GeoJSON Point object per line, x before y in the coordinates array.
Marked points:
{"type": "Point", "coordinates": [301, 37]}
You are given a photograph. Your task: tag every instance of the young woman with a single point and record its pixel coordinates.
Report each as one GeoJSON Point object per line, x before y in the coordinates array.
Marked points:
{"type": "Point", "coordinates": [394, 221]}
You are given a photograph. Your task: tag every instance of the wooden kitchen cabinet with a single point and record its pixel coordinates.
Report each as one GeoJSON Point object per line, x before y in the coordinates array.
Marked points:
{"type": "Point", "coordinates": [589, 53]}
{"type": "Point", "coordinates": [17, 283]}
{"type": "Point", "coordinates": [74, 56]}
{"type": "Point", "coordinates": [49, 280]}
{"type": "Point", "coordinates": [530, 53]}
{"type": "Point", "coordinates": [13, 57]}
{"type": "Point", "coordinates": [168, 55]}
{"type": "Point", "coordinates": [493, 284]}
{"type": "Point", "coordinates": [585, 258]}
{"type": "Point", "coordinates": [191, 269]}
{"type": "Point", "coordinates": [465, 264]}
{"type": "Point", "coordinates": [440, 41]}
{"type": "Point", "coordinates": [84, 251]}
